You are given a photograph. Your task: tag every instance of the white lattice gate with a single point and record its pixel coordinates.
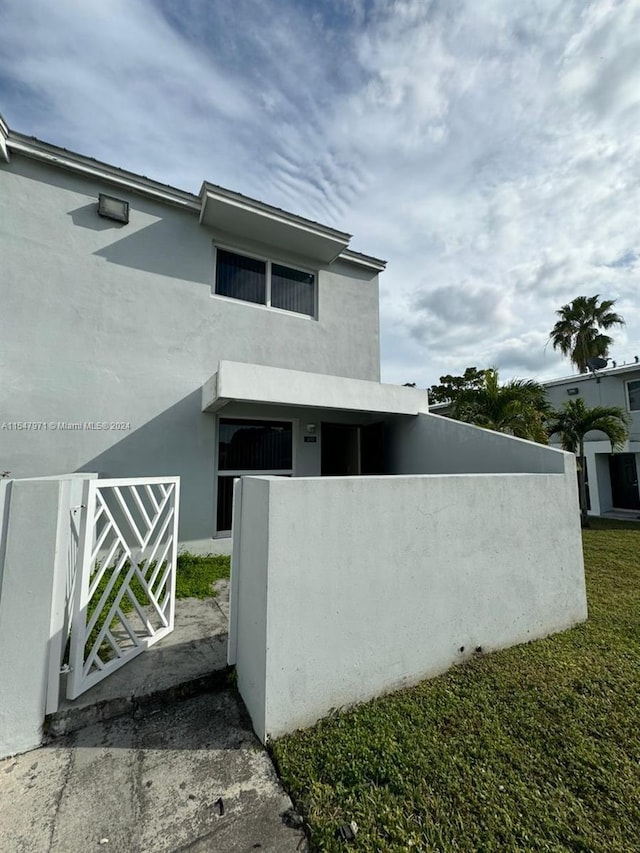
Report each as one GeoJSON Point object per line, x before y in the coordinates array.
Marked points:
{"type": "Point", "coordinates": [125, 590]}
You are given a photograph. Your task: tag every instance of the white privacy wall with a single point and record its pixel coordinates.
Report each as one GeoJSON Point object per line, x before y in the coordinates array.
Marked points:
{"type": "Point", "coordinates": [345, 588]}
{"type": "Point", "coordinates": [27, 556]}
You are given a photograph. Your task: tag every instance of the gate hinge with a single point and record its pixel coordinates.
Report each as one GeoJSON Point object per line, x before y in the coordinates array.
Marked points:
{"type": "Point", "coordinates": [65, 669]}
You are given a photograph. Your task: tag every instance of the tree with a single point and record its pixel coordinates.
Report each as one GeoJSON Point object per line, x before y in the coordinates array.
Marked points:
{"type": "Point", "coordinates": [577, 333]}
{"type": "Point", "coordinates": [574, 420]}
{"type": "Point", "coordinates": [517, 408]}
{"type": "Point", "coordinates": [450, 386]}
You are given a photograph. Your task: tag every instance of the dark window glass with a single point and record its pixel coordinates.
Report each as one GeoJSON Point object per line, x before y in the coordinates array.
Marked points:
{"type": "Point", "coordinates": [225, 503]}
{"type": "Point", "coordinates": [292, 290]}
{"type": "Point", "coordinates": [240, 277]}
{"type": "Point", "coordinates": [254, 445]}
{"type": "Point", "coordinates": [634, 396]}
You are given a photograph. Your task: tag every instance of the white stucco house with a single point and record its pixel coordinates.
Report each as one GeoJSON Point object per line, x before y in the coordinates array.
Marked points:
{"type": "Point", "coordinates": [198, 332]}
{"type": "Point", "coordinates": [612, 478]}
{"type": "Point", "coordinates": [213, 339]}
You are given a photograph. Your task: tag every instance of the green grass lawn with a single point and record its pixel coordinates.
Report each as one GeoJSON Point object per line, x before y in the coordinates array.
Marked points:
{"type": "Point", "coordinates": [195, 574]}
{"type": "Point", "coordinates": [533, 748]}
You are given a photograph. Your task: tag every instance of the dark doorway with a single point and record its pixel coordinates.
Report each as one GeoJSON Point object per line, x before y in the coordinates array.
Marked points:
{"type": "Point", "coordinates": [624, 481]}
{"type": "Point", "coordinates": [352, 450]}
{"type": "Point", "coordinates": [340, 453]}
{"type": "Point", "coordinates": [372, 449]}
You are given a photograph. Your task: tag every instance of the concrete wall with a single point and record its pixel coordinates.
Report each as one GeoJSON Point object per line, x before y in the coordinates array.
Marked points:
{"type": "Point", "coordinates": [26, 591]}
{"type": "Point", "coordinates": [117, 323]}
{"type": "Point", "coordinates": [345, 588]}
{"type": "Point", "coordinates": [432, 444]}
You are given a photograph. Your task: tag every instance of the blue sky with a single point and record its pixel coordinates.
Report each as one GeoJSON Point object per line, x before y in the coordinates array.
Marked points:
{"type": "Point", "coordinates": [488, 150]}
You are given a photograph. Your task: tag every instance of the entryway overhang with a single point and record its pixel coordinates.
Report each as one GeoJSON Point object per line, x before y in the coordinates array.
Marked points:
{"type": "Point", "coordinates": [255, 383]}
{"type": "Point", "coordinates": [232, 213]}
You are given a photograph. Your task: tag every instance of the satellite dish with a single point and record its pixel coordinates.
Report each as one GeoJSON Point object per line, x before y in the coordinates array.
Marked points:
{"type": "Point", "coordinates": [596, 363]}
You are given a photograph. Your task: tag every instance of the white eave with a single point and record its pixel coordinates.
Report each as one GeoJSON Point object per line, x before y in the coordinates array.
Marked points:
{"type": "Point", "coordinates": [226, 211]}
{"type": "Point", "coordinates": [232, 213]}
{"type": "Point", "coordinates": [254, 383]}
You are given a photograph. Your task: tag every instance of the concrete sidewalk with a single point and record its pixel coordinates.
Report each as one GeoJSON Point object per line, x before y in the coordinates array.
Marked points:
{"type": "Point", "coordinates": [189, 661]}
{"type": "Point", "coordinates": [160, 756]}
{"type": "Point", "coordinates": [190, 777]}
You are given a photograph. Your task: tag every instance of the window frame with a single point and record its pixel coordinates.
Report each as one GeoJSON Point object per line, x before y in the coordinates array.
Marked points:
{"type": "Point", "coordinates": [627, 383]}
{"type": "Point", "coordinates": [268, 262]}
{"type": "Point", "coordinates": [235, 473]}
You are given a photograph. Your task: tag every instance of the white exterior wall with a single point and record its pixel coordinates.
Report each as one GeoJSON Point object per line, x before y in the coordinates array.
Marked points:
{"type": "Point", "coordinates": [345, 588]}
{"type": "Point", "coordinates": [27, 556]}
{"type": "Point", "coordinates": [611, 390]}
{"type": "Point", "coordinates": [432, 444]}
{"type": "Point", "coordinates": [108, 322]}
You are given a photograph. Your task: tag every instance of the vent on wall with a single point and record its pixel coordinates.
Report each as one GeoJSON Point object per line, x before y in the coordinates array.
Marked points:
{"type": "Point", "coordinates": [113, 208]}
{"type": "Point", "coordinates": [573, 391]}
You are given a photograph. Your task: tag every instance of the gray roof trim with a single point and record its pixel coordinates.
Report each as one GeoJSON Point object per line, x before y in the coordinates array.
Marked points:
{"type": "Point", "coordinates": [30, 146]}
{"type": "Point", "coordinates": [240, 200]}
{"type": "Point", "coordinates": [583, 377]}
{"type": "Point", "coordinates": [362, 260]}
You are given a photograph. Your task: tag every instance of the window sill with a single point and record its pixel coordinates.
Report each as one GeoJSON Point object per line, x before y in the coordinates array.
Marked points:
{"type": "Point", "coordinates": [282, 311]}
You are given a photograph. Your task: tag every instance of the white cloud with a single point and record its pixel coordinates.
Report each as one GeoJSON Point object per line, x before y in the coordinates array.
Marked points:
{"type": "Point", "coordinates": [489, 151]}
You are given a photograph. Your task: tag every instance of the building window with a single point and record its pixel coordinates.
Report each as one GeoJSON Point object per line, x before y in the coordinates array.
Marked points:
{"type": "Point", "coordinates": [249, 447]}
{"type": "Point", "coordinates": [265, 283]}
{"type": "Point", "coordinates": [633, 390]}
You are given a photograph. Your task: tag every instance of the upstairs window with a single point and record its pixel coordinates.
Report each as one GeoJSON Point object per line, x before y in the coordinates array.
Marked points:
{"type": "Point", "coordinates": [633, 390]}
{"type": "Point", "coordinates": [265, 283]}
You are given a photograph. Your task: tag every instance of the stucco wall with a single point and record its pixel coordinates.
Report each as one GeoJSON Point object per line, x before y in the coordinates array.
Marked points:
{"type": "Point", "coordinates": [26, 590]}
{"type": "Point", "coordinates": [117, 323]}
{"type": "Point", "coordinates": [432, 444]}
{"type": "Point", "coordinates": [367, 584]}
{"type": "Point", "coordinates": [611, 390]}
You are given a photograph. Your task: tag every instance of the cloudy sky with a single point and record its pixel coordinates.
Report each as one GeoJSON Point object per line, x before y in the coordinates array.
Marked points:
{"type": "Point", "coordinates": [488, 150]}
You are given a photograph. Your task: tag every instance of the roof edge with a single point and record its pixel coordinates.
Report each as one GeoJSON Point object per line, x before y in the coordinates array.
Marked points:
{"type": "Point", "coordinates": [34, 148]}
{"type": "Point", "coordinates": [583, 377]}
{"type": "Point", "coordinates": [236, 198]}
{"type": "Point", "coordinates": [362, 260]}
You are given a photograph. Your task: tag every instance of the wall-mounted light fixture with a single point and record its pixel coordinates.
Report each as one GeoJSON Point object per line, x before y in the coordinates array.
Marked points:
{"type": "Point", "coordinates": [573, 391]}
{"type": "Point", "coordinates": [311, 427]}
{"type": "Point", "coordinates": [113, 208]}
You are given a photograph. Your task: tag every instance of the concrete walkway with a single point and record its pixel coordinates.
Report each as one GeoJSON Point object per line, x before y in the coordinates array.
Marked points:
{"type": "Point", "coordinates": [159, 757]}
{"type": "Point", "coordinates": [191, 777]}
{"type": "Point", "coordinates": [191, 659]}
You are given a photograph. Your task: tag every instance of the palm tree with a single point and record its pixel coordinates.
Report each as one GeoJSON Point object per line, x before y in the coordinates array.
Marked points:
{"type": "Point", "coordinates": [517, 408]}
{"type": "Point", "coordinates": [577, 333]}
{"type": "Point", "coordinates": [574, 421]}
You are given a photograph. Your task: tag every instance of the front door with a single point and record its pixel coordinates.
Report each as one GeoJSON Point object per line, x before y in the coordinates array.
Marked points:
{"type": "Point", "coordinates": [624, 481]}
{"type": "Point", "coordinates": [352, 450]}
{"type": "Point", "coordinates": [340, 450]}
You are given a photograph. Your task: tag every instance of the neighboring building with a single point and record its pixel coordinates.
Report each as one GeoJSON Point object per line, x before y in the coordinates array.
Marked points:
{"type": "Point", "coordinates": [124, 300]}
{"type": "Point", "coordinates": [612, 477]}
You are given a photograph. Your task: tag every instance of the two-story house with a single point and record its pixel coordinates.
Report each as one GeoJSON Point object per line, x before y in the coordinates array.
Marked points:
{"type": "Point", "coordinates": [146, 330]}
{"type": "Point", "coordinates": [612, 477]}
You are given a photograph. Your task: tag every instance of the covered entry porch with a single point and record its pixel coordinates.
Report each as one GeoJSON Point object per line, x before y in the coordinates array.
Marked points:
{"type": "Point", "coordinates": [297, 424]}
